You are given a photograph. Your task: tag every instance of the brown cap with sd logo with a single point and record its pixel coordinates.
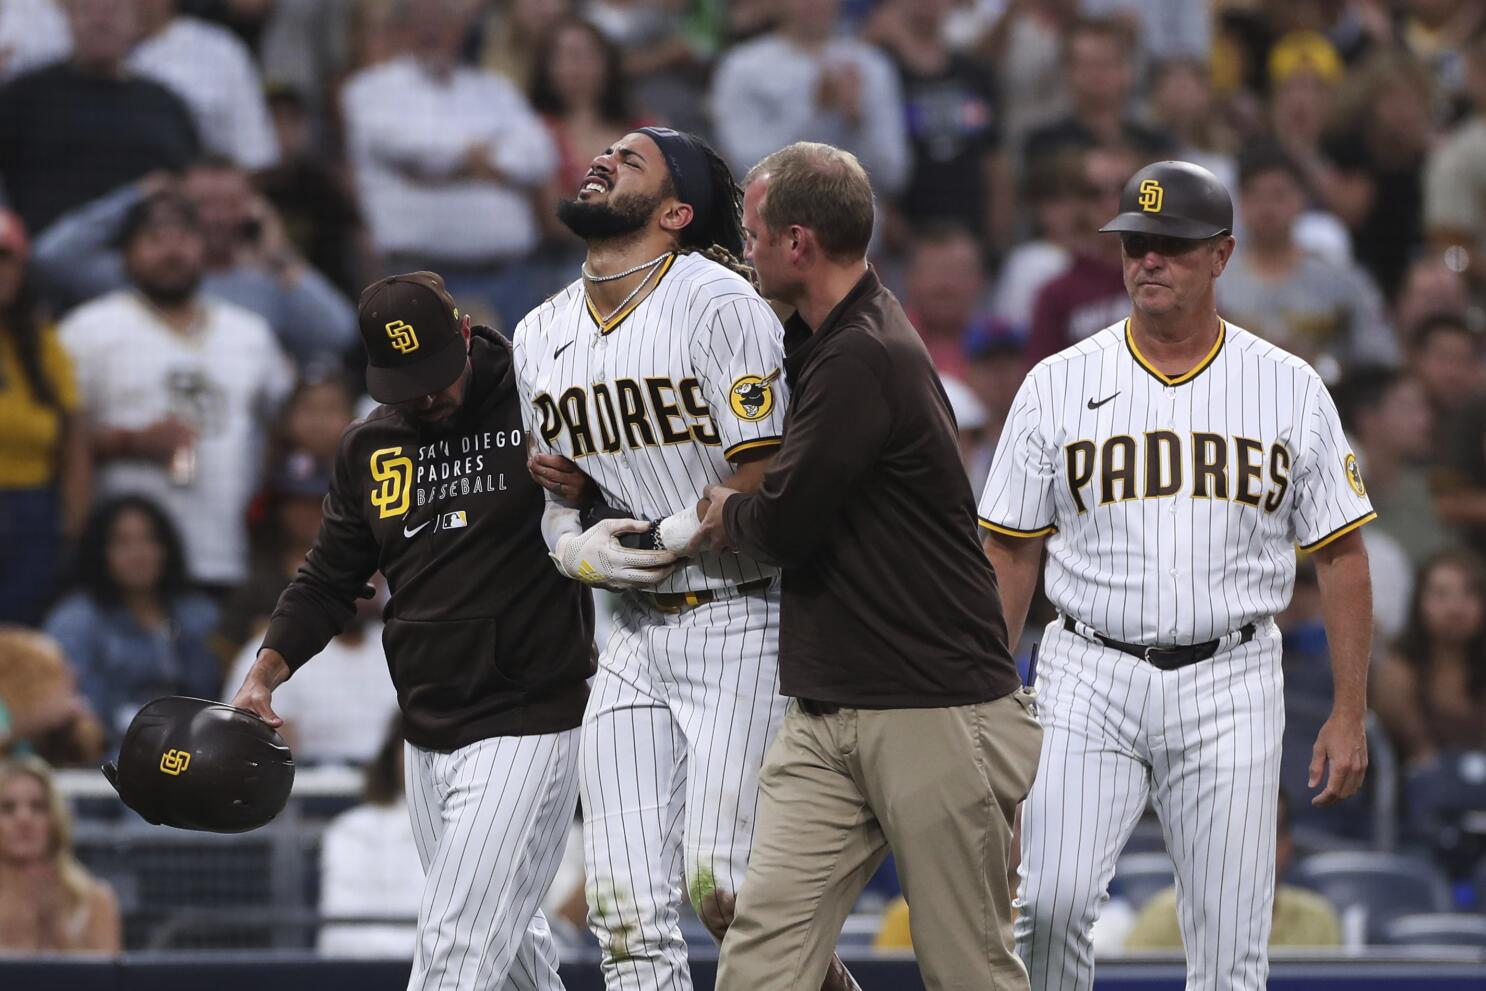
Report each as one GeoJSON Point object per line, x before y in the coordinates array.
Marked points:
{"type": "Point", "coordinates": [410, 327]}
{"type": "Point", "coordinates": [1174, 199]}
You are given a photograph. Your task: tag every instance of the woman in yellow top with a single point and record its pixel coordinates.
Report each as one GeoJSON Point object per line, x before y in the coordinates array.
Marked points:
{"type": "Point", "coordinates": [44, 461]}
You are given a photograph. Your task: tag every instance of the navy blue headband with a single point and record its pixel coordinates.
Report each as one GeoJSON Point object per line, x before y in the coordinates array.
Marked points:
{"type": "Point", "coordinates": [690, 172]}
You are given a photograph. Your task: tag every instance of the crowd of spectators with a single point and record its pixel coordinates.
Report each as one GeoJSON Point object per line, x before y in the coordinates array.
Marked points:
{"type": "Point", "coordinates": [192, 193]}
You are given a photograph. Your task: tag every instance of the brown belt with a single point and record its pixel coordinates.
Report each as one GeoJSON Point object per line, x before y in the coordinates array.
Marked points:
{"type": "Point", "coordinates": [674, 602]}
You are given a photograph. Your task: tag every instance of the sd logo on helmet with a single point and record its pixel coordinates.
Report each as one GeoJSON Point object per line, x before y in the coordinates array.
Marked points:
{"type": "Point", "coordinates": [195, 764]}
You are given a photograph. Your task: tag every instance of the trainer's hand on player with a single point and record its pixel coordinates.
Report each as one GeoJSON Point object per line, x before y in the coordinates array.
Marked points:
{"type": "Point", "coordinates": [713, 534]}
{"type": "Point", "coordinates": [1341, 744]}
{"type": "Point", "coordinates": [268, 672]}
{"type": "Point", "coordinates": [562, 478]}
{"type": "Point", "coordinates": [596, 557]}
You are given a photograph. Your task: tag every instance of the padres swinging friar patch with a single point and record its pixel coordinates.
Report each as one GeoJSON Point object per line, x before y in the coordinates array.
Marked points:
{"type": "Point", "coordinates": [752, 396]}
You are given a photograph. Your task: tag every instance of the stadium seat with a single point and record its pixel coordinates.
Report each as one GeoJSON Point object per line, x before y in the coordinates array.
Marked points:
{"type": "Point", "coordinates": [1138, 876]}
{"type": "Point", "coordinates": [1381, 886]}
{"type": "Point", "coordinates": [1445, 803]}
{"type": "Point", "coordinates": [1437, 929]}
{"type": "Point", "coordinates": [1369, 816]}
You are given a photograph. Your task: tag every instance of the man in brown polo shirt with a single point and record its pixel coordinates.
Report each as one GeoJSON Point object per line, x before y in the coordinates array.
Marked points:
{"type": "Point", "coordinates": [909, 728]}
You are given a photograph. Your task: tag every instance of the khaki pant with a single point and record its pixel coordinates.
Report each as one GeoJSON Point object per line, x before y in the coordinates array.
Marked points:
{"type": "Point", "coordinates": [939, 787]}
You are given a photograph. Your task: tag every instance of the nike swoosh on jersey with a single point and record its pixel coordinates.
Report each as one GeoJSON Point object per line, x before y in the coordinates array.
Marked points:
{"type": "Point", "coordinates": [1094, 405]}
{"type": "Point", "coordinates": [414, 532]}
{"type": "Point", "coordinates": [561, 350]}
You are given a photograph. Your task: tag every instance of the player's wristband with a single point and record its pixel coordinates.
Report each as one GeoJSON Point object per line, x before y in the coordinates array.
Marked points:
{"type": "Point", "coordinates": [647, 540]}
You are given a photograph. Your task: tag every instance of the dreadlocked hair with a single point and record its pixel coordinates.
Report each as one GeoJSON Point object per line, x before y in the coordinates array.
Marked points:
{"type": "Point", "coordinates": [721, 240]}
{"type": "Point", "coordinates": [727, 260]}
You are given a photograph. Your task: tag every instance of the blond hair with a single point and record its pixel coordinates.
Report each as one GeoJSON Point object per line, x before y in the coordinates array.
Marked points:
{"type": "Point", "coordinates": [76, 881]}
{"type": "Point", "coordinates": [822, 188]}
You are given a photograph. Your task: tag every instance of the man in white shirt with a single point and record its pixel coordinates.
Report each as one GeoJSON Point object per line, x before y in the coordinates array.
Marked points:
{"type": "Point", "coordinates": [445, 157]}
{"type": "Point", "coordinates": [209, 68]}
{"type": "Point", "coordinates": [802, 82]}
{"type": "Point", "coordinates": [178, 389]}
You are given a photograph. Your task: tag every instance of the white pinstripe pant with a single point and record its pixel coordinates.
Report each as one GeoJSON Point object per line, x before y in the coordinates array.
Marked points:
{"type": "Point", "coordinates": [682, 710]}
{"type": "Point", "coordinates": [490, 821]}
{"type": "Point", "coordinates": [1203, 744]}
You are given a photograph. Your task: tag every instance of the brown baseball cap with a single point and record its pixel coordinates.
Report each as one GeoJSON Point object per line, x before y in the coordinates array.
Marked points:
{"type": "Point", "coordinates": [410, 327]}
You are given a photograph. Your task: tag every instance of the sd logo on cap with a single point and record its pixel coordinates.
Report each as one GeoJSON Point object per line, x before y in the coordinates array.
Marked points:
{"type": "Point", "coordinates": [411, 329]}
{"type": "Point", "coordinates": [1174, 199]}
{"type": "Point", "coordinates": [194, 764]}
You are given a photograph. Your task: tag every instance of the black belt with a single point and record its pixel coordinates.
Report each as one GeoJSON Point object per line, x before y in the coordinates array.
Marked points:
{"type": "Point", "coordinates": [1165, 658]}
{"type": "Point", "coordinates": [673, 602]}
{"type": "Point", "coordinates": [815, 707]}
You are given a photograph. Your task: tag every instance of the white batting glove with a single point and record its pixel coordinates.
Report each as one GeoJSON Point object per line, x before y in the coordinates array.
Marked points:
{"type": "Point", "coordinates": [596, 557]}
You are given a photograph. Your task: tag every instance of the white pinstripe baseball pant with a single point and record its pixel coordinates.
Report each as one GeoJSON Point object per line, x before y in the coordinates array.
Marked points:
{"type": "Point", "coordinates": [682, 709]}
{"type": "Point", "coordinates": [490, 821]}
{"type": "Point", "coordinates": [1202, 743]}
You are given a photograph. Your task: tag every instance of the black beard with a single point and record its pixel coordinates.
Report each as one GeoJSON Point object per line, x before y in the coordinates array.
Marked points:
{"type": "Point", "coordinates": [619, 218]}
{"type": "Point", "coordinates": [173, 293]}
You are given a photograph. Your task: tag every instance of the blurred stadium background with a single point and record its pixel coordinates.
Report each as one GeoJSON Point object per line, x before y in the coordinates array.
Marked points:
{"type": "Point", "coordinates": [196, 190]}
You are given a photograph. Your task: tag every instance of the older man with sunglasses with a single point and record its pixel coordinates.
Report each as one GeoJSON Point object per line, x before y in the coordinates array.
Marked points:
{"type": "Point", "coordinates": [1171, 462]}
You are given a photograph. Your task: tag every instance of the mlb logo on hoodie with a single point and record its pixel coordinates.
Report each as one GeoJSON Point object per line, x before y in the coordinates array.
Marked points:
{"type": "Point", "coordinates": [454, 520]}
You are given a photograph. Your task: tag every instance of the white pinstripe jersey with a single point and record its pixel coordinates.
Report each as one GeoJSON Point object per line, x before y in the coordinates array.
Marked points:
{"type": "Point", "coordinates": [1173, 505]}
{"type": "Point", "coordinates": [653, 402]}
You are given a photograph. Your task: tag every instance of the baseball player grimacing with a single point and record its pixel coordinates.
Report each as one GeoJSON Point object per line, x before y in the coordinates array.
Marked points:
{"type": "Point", "coordinates": [658, 373]}
{"type": "Point", "coordinates": [1171, 463]}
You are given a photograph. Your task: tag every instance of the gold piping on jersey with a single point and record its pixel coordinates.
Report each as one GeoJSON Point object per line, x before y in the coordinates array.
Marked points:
{"type": "Point", "coordinates": [1187, 376]}
{"type": "Point", "coordinates": [605, 326]}
{"type": "Point", "coordinates": [1013, 531]}
{"type": "Point", "coordinates": [750, 445]}
{"type": "Point", "coordinates": [1339, 532]}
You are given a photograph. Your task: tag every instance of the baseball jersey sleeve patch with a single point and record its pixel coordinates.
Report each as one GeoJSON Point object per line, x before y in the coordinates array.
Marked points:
{"type": "Point", "coordinates": [752, 396]}
{"type": "Point", "coordinates": [1354, 474]}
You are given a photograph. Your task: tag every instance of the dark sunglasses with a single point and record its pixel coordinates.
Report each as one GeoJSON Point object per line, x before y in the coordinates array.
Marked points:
{"type": "Point", "coordinates": [1139, 245]}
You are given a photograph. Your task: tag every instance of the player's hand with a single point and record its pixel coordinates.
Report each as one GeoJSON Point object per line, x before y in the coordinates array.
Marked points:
{"type": "Point", "coordinates": [1342, 746]}
{"type": "Point", "coordinates": [712, 534]}
{"type": "Point", "coordinates": [562, 478]}
{"type": "Point", "coordinates": [256, 694]}
{"type": "Point", "coordinates": [596, 557]}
